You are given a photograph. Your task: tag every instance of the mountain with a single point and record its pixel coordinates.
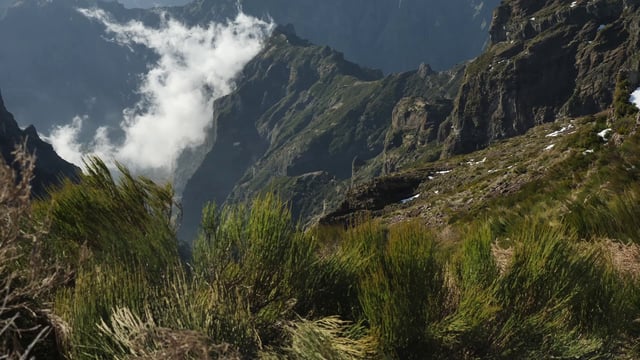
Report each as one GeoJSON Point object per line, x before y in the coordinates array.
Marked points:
{"type": "Point", "coordinates": [330, 141]}
{"type": "Point", "coordinates": [392, 35]}
{"type": "Point", "coordinates": [547, 60]}
{"type": "Point", "coordinates": [303, 120]}
{"type": "Point", "coordinates": [59, 64]}
{"type": "Point", "coordinates": [50, 169]}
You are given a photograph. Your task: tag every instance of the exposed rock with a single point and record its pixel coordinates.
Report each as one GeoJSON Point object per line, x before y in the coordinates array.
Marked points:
{"type": "Point", "coordinates": [302, 109]}
{"type": "Point", "coordinates": [50, 168]}
{"type": "Point", "coordinates": [547, 59]}
{"type": "Point", "coordinates": [373, 196]}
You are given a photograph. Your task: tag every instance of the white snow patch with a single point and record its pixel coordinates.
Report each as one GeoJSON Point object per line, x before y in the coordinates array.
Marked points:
{"type": "Point", "coordinates": [588, 151]}
{"type": "Point", "coordinates": [492, 171]}
{"type": "Point", "coordinates": [436, 192]}
{"type": "Point", "coordinates": [443, 172]}
{"type": "Point", "coordinates": [561, 131]}
{"type": "Point", "coordinates": [604, 133]}
{"type": "Point", "coordinates": [574, 4]}
{"type": "Point", "coordinates": [472, 162]}
{"type": "Point", "coordinates": [635, 98]}
{"type": "Point", "coordinates": [431, 178]}
{"type": "Point", "coordinates": [404, 201]}
{"type": "Point", "coordinates": [549, 147]}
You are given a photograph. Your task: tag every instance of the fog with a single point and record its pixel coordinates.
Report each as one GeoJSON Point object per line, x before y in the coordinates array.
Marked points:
{"type": "Point", "coordinates": [196, 66]}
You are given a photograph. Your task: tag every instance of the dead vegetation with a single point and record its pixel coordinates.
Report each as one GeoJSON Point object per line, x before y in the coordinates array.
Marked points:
{"type": "Point", "coordinates": [26, 325]}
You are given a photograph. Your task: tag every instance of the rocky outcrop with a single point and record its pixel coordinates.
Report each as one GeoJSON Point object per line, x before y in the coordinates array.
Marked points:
{"type": "Point", "coordinates": [50, 169]}
{"type": "Point", "coordinates": [547, 59]}
{"type": "Point", "coordinates": [306, 120]}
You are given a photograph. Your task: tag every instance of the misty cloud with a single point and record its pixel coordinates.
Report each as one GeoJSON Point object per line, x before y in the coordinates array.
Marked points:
{"type": "Point", "coordinates": [635, 98]}
{"type": "Point", "coordinates": [196, 66]}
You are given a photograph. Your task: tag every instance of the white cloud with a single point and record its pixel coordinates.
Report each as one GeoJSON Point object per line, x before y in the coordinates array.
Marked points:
{"type": "Point", "coordinates": [635, 98]}
{"type": "Point", "coordinates": [196, 66]}
{"type": "Point", "coordinates": [64, 140]}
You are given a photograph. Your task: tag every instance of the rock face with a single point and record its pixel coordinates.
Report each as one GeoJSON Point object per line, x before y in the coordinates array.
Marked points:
{"type": "Point", "coordinates": [50, 168]}
{"type": "Point", "coordinates": [547, 59]}
{"type": "Point", "coordinates": [304, 121]}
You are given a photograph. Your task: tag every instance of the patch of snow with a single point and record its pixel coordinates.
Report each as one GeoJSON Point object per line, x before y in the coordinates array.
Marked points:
{"type": "Point", "coordinates": [589, 151]}
{"type": "Point", "coordinates": [603, 134]}
{"type": "Point", "coordinates": [533, 19]}
{"type": "Point", "coordinates": [443, 172]}
{"type": "Point", "coordinates": [472, 162]}
{"type": "Point", "coordinates": [492, 171]}
{"type": "Point", "coordinates": [574, 4]}
{"type": "Point", "coordinates": [431, 178]}
{"type": "Point", "coordinates": [437, 192]}
{"type": "Point", "coordinates": [635, 98]}
{"type": "Point", "coordinates": [549, 147]}
{"type": "Point", "coordinates": [404, 201]}
{"type": "Point", "coordinates": [601, 27]}
{"type": "Point", "coordinates": [560, 132]}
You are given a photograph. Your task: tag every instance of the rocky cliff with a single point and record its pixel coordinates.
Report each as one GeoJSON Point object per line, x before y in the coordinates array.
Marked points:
{"type": "Point", "coordinates": [312, 126]}
{"type": "Point", "coordinates": [305, 122]}
{"type": "Point", "coordinates": [50, 168]}
{"type": "Point", "coordinates": [547, 60]}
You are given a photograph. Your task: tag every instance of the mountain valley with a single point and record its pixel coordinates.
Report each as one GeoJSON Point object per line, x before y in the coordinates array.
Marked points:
{"type": "Point", "coordinates": [369, 193]}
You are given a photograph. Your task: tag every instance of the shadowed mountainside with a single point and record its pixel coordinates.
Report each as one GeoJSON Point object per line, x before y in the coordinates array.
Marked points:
{"type": "Point", "coordinates": [50, 168]}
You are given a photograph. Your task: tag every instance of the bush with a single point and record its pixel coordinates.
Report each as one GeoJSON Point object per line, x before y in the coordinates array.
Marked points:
{"type": "Point", "coordinates": [125, 221]}
{"type": "Point", "coordinates": [402, 292]}
{"type": "Point", "coordinates": [259, 254]}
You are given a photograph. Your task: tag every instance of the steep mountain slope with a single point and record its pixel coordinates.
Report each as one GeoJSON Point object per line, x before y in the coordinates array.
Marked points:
{"type": "Point", "coordinates": [392, 35]}
{"type": "Point", "coordinates": [58, 64]}
{"type": "Point", "coordinates": [305, 120]}
{"type": "Point", "coordinates": [547, 60]}
{"type": "Point", "coordinates": [50, 168]}
{"type": "Point", "coordinates": [314, 137]}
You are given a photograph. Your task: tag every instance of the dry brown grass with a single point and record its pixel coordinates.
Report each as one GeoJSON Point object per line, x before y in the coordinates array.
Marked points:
{"type": "Point", "coordinates": [502, 256]}
{"type": "Point", "coordinates": [25, 280]}
{"type": "Point", "coordinates": [144, 340]}
{"type": "Point", "coordinates": [624, 257]}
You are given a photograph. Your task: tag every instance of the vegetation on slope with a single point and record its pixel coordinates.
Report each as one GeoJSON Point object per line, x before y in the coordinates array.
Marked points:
{"type": "Point", "coordinates": [546, 270]}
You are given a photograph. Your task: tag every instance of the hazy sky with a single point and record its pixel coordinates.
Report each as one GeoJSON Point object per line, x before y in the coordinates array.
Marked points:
{"type": "Point", "coordinates": [150, 3]}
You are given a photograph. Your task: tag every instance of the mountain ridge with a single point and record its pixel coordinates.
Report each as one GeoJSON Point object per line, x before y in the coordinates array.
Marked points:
{"type": "Point", "coordinates": [50, 170]}
{"type": "Point", "coordinates": [425, 115]}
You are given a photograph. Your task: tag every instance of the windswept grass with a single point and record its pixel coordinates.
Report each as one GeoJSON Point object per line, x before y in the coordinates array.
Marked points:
{"type": "Point", "coordinates": [546, 271]}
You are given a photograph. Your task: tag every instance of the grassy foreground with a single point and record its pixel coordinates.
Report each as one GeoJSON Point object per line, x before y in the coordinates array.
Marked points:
{"type": "Point", "coordinates": [94, 272]}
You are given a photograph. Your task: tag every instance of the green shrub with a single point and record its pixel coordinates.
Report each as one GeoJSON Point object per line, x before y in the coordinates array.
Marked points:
{"type": "Point", "coordinates": [125, 221]}
{"type": "Point", "coordinates": [259, 253]}
{"type": "Point", "coordinates": [403, 291]}
{"type": "Point", "coordinates": [621, 104]}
